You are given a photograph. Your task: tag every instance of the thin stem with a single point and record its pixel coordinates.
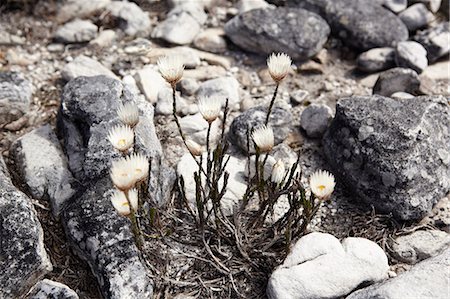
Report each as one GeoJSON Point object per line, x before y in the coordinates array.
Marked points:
{"type": "Point", "coordinates": [134, 224]}
{"type": "Point", "coordinates": [271, 104]}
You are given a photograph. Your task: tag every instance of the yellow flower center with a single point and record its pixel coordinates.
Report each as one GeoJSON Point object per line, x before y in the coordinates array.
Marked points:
{"type": "Point", "coordinates": [321, 187]}
{"type": "Point", "coordinates": [122, 142]}
{"type": "Point", "coordinates": [138, 170]}
{"type": "Point", "coordinates": [125, 204]}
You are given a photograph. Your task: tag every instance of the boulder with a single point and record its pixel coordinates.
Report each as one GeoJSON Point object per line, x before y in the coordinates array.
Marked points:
{"type": "Point", "coordinates": [355, 261]}
{"type": "Point", "coordinates": [377, 59]}
{"type": "Point", "coordinates": [411, 55]}
{"type": "Point", "coordinates": [397, 79]}
{"type": "Point", "coordinates": [85, 66]}
{"type": "Point", "coordinates": [420, 245]}
{"type": "Point", "coordinates": [427, 279]}
{"type": "Point", "coordinates": [49, 289]}
{"type": "Point", "coordinates": [23, 258]}
{"type": "Point", "coordinates": [280, 121]}
{"type": "Point", "coordinates": [42, 167]}
{"type": "Point", "coordinates": [416, 16]}
{"type": "Point", "coordinates": [130, 17]}
{"type": "Point", "coordinates": [15, 96]}
{"type": "Point", "coordinates": [392, 153]}
{"type": "Point", "coordinates": [96, 232]}
{"type": "Point", "coordinates": [76, 31]}
{"type": "Point", "coordinates": [296, 32]}
{"type": "Point", "coordinates": [435, 40]}
{"type": "Point", "coordinates": [361, 24]}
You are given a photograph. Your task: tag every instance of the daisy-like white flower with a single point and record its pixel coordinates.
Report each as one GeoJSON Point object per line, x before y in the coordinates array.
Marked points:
{"type": "Point", "coordinates": [279, 66]}
{"type": "Point", "coordinates": [121, 137]}
{"type": "Point", "coordinates": [129, 114]}
{"type": "Point", "coordinates": [263, 137]}
{"type": "Point", "coordinates": [120, 202]}
{"type": "Point", "coordinates": [122, 174]}
{"type": "Point", "coordinates": [278, 172]}
{"type": "Point", "coordinates": [322, 184]}
{"type": "Point", "coordinates": [194, 147]}
{"type": "Point", "coordinates": [171, 68]}
{"type": "Point", "coordinates": [210, 107]}
{"type": "Point", "coordinates": [138, 165]}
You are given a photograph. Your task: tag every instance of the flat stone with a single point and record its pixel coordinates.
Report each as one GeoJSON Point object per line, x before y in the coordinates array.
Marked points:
{"type": "Point", "coordinates": [280, 121]}
{"type": "Point", "coordinates": [131, 18]}
{"type": "Point", "coordinates": [377, 59]}
{"type": "Point", "coordinates": [392, 153]}
{"type": "Point", "coordinates": [42, 166]}
{"type": "Point", "coordinates": [420, 245]}
{"type": "Point", "coordinates": [15, 96]}
{"type": "Point", "coordinates": [299, 96]}
{"type": "Point", "coordinates": [76, 31]}
{"type": "Point", "coordinates": [24, 260]}
{"type": "Point", "coordinates": [247, 5]}
{"type": "Point", "coordinates": [211, 40]}
{"type": "Point", "coordinates": [361, 24]}
{"type": "Point", "coordinates": [71, 9]}
{"type": "Point", "coordinates": [49, 289]}
{"type": "Point", "coordinates": [435, 40]}
{"type": "Point", "coordinates": [85, 66]}
{"type": "Point", "coordinates": [411, 55]}
{"type": "Point", "coordinates": [397, 79]}
{"type": "Point", "coordinates": [236, 186]}
{"type": "Point", "coordinates": [195, 127]}
{"type": "Point", "coordinates": [7, 39]}
{"type": "Point", "coordinates": [315, 120]}
{"type": "Point", "coordinates": [224, 87]}
{"type": "Point", "coordinates": [416, 16]}
{"type": "Point", "coordinates": [189, 86]}
{"type": "Point", "coordinates": [104, 39]}
{"type": "Point", "coordinates": [164, 105]}
{"type": "Point", "coordinates": [354, 261]}
{"type": "Point", "coordinates": [438, 71]}
{"type": "Point", "coordinates": [150, 83]}
{"type": "Point", "coordinates": [427, 279]}
{"type": "Point", "coordinates": [296, 32]}
{"type": "Point", "coordinates": [181, 25]}
{"type": "Point", "coordinates": [395, 6]}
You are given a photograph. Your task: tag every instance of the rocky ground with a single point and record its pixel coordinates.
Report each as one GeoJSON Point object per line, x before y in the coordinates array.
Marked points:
{"type": "Point", "coordinates": [367, 98]}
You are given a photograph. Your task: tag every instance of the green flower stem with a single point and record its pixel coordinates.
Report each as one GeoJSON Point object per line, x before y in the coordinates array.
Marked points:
{"type": "Point", "coordinates": [271, 104]}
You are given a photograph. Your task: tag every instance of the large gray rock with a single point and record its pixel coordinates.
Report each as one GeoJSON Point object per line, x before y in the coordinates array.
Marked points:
{"type": "Point", "coordinates": [435, 40]}
{"type": "Point", "coordinates": [392, 153]}
{"type": "Point", "coordinates": [416, 16]}
{"type": "Point", "coordinates": [319, 266]}
{"type": "Point", "coordinates": [361, 24]}
{"type": "Point", "coordinates": [420, 245]}
{"type": "Point", "coordinates": [42, 166]}
{"type": "Point", "coordinates": [395, 80]}
{"type": "Point", "coordinates": [104, 239]}
{"type": "Point", "coordinates": [99, 235]}
{"type": "Point", "coordinates": [23, 258]}
{"type": "Point", "coordinates": [428, 279]}
{"type": "Point", "coordinates": [15, 96]}
{"type": "Point", "coordinates": [77, 31]}
{"type": "Point", "coordinates": [280, 121]}
{"type": "Point", "coordinates": [131, 18]}
{"type": "Point", "coordinates": [377, 59]}
{"type": "Point", "coordinates": [296, 32]}
{"type": "Point", "coordinates": [49, 289]}
{"type": "Point", "coordinates": [85, 66]}
{"type": "Point", "coordinates": [88, 111]}
{"type": "Point", "coordinates": [411, 54]}
{"type": "Point", "coordinates": [315, 119]}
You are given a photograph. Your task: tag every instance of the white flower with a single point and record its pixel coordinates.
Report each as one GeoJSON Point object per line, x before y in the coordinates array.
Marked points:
{"type": "Point", "coordinates": [322, 184]}
{"type": "Point", "coordinates": [171, 68]}
{"type": "Point", "coordinates": [122, 174]}
{"type": "Point", "coordinates": [263, 137]}
{"type": "Point", "coordinates": [120, 202]}
{"type": "Point", "coordinates": [279, 66]}
{"type": "Point", "coordinates": [139, 165]}
{"type": "Point", "coordinates": [126, 172]}
{"type": "Point", "coordinates": [210, 107]}
{"type": "Point", "coordinates": [129, 114]}
{"type": "Point", "coordinates": [194, 147]}
{"type": "Point", "coordinates": [278, 172]}
{"type": "Point", "coordinates": [121, 137]}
